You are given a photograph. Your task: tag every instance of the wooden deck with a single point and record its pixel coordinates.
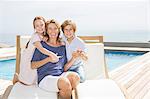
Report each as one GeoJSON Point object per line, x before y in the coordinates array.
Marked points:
{"type": "Point", "coordinates": [3, 85]}
{"type": "Point", "coordinates": [134, 77]}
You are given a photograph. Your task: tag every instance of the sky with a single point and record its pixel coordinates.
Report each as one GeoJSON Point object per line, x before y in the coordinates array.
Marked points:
{"type": "Point", "coordinates": [116, 20]}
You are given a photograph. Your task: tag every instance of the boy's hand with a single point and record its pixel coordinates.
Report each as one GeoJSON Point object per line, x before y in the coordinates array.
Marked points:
{"type": "Point", "coordinates": [81, 54]}
{"type": "Point", "coordinates": [76, 54]}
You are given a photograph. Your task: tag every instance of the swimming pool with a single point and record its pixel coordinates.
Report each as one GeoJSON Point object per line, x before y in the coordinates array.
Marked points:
{"type": "Point", "coordinates": [7, 69]}
{"type": "Point", "coordinates": [114, 59]}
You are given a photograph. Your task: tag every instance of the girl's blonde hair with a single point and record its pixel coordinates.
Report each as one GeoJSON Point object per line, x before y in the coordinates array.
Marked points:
{"type": "Point", "coordinates": [38, 18]}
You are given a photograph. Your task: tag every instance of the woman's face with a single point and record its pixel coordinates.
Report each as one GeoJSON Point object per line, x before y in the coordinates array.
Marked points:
{"type": "Point", "coordinates": [39, 26]}
{"type": "Point", "coordinates": [69, 31]}
{"type": "Point", "coordinates": [52, 30]}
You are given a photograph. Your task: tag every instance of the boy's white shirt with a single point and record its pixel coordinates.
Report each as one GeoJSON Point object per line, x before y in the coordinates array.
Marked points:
{"type": "Point", "coordinates": [76, 44]}
{"type": "Point", "coordinates": [28, 75]}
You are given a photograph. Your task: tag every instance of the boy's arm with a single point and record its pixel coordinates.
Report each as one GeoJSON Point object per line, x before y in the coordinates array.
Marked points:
{"type": "Point", "coordinates": [54, 57]}
{"type": "Point", "coordinates": [69, 64]}
{"type": "Point", "coordinates": [75, 55]}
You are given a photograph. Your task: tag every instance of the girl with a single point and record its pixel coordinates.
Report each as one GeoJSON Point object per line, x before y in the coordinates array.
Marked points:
{"type": "Point", "coordinates": [27, 75]}
{"type": "Point", "coordinates": [75, 47]}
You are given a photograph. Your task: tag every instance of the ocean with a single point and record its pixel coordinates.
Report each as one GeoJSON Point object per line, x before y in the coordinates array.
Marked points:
{"type": "Point", "coordinates": [108, 37]}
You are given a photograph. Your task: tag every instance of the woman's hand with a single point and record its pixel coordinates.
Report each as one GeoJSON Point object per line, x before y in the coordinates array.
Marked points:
{"type": "Point", "coordinates": [51, 59]}
{"type": "Point", "coordinates": [54, 58]}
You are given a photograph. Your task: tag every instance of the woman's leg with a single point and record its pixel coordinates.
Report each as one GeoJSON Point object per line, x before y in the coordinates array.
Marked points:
{"type": "Point", "coordinates": [73, 78]}
{"type": "Point", "coordinates": [65, 88]}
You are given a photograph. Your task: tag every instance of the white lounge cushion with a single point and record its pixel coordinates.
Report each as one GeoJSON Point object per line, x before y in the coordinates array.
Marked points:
{"type": "Point", "coordinates": [20, 91]}
{"type": "Point", "coordinates": [99, 89]}
{"type": "Point", "coordinates": [94, 67]}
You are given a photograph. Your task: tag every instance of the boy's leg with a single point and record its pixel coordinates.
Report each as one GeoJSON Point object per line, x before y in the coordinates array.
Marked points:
{"type": "Point", "coordinates": [81, 74]}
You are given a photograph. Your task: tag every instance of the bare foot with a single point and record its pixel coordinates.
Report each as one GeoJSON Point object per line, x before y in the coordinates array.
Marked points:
{"type": "Point", "coordinates": [15, 79]}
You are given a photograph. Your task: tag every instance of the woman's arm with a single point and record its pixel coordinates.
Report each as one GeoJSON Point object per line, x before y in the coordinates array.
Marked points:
{"type": "Point", "coordinates": [54, 57]}
{"type": "Point", "coordinates": [37, 64]}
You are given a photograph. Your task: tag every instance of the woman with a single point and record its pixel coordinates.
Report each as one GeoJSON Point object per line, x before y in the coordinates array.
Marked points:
{"type": "Point", "coordinates": [51, 75]}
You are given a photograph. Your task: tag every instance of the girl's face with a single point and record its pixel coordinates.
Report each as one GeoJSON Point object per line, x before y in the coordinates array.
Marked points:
{"type": "Point", "coordinates": [69, 31]}
{"type": "Point", "coordinates": [52, 30]}
{"type": "Point", "coordinates": [39, 26]}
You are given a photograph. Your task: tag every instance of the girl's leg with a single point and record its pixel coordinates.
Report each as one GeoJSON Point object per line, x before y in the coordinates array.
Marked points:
{"type": "Point", "coordinates": [15, 78]}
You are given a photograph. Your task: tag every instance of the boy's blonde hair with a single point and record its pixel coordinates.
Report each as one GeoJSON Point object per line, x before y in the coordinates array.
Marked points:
{"type": "Point", "coordinates": [68, 22]}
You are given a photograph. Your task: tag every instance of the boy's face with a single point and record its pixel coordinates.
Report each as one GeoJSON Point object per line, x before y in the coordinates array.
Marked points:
{"type": "Point", "coordinates": [39, 26]}
{"type": "Point", "coordinates": [69, 31]}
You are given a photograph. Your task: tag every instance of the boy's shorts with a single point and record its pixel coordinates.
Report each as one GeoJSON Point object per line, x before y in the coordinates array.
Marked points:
{"type": "Point", "coordinates": [80, 71]}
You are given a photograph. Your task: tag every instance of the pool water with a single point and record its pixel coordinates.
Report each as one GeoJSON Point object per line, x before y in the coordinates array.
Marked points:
{"type": "Point", "coordinates": [114, 59]}
{"type": "Point", "coordinates": [7, 69]}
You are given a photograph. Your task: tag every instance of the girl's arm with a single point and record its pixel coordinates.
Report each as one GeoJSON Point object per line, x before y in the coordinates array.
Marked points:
{"type": "Point", "coordinates": [54, 57]}
{"type": "Point", "coordinates": [37, 64]}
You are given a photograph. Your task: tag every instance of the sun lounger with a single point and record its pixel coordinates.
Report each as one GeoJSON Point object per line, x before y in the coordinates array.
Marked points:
{"type": "Point", "coordinates": [97, 86]}
{"type": "Point", "coordinates": [95, 68]}
{"type": "Point", "coordinates": [99, 89]}
{"type": "Point", "coordinates": [20, 91]}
